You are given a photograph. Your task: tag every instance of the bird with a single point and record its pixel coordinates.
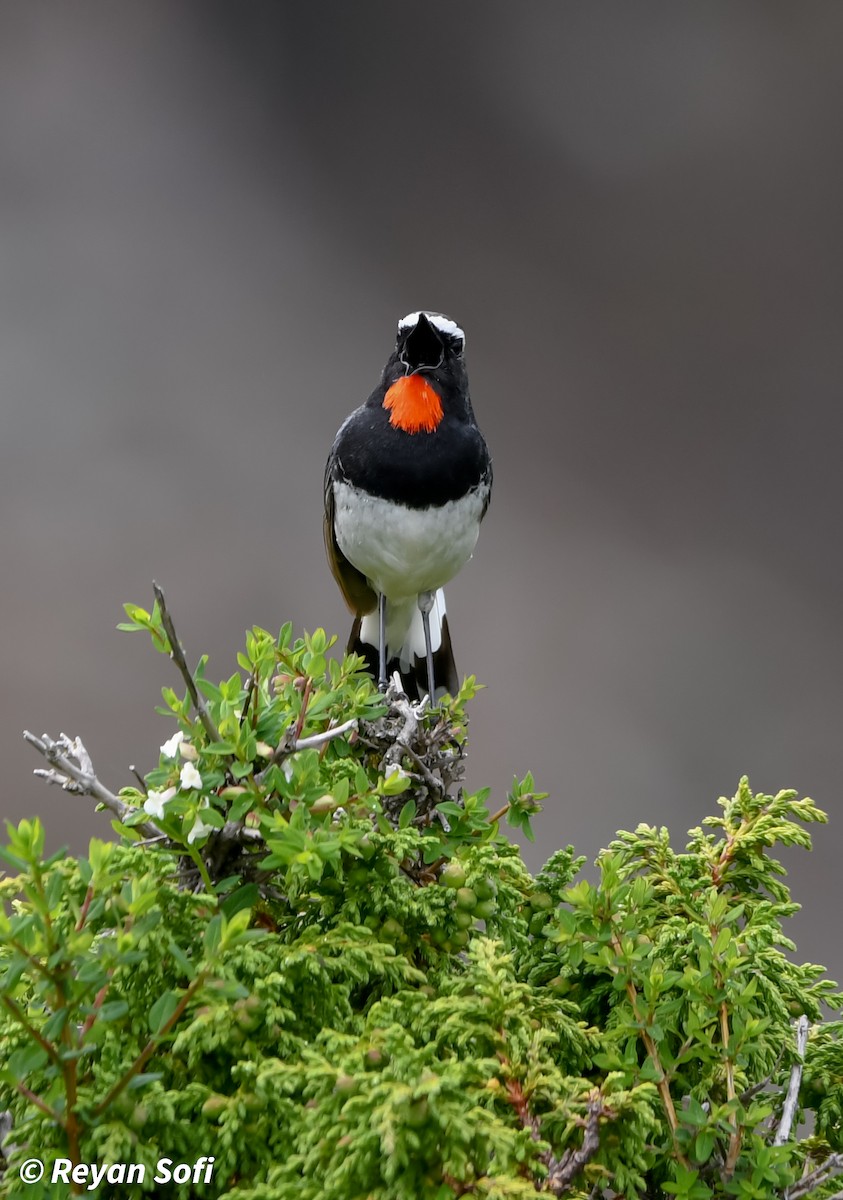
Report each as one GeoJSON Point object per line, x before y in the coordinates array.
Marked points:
{"type": "Point", "coordinates": [407, 484]}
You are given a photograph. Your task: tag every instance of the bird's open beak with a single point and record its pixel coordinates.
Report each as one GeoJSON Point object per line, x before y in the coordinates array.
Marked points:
{"type": "Point", "coordinates": [423, 346]}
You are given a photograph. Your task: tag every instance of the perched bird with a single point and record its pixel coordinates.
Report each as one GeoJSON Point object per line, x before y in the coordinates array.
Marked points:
{"type": "Point", "coordinates": [407, 484]}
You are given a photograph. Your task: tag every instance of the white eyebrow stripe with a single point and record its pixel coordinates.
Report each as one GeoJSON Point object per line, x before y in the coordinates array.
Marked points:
{"type": "Point", "coordinates": [437, 320]}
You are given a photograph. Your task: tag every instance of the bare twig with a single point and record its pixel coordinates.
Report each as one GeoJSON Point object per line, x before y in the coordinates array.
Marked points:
{"type": "Point", "coordinates": [327, 735]}
{"type": "Point", "coordinates": [411, 714]}
{"type": "Point", "coordinates": [140, 779]}
{"type": "Point", "coordinates": [177, 655]}
{"type": "Point", "coordinates": [561, 1171]}
{"type": "Point", "coordinates": [792, 1097]}
{"type": "Point", "coordinates": [758, 1087]}
{"type": "Point", "coordinates": [289, 743]}
{"type": "Point", "coordinates": [251, 683]}
{"type": "Point", "coordinates": [831, 1166]}
{"type": "Point", "coordinates": [72, 770]}
{"type": "Point", "coordinates": [427, 775]}
{"type": "Point", "coordinates": [5, 1131]}
{"type": "Point", "coordinates": [286, 746]}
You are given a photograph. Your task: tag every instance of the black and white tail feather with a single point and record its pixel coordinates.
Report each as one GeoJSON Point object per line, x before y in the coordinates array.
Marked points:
{"type": "Point", "coordinates": [408, 656]}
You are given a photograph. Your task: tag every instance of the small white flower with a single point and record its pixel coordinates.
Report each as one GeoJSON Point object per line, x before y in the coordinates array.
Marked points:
{"type": "Point", "coordinates": [199, 827]}
{"type": "Point", "coordinates": [394, 769]}
{"type": "Point", "coordinates": [189, 777]}
{"type": "Point", "coordinates": [156, 802]}
{"type": "Point", "coordinates": [171, 747]}
{"type": "Point", "coordinates": [287, 769]}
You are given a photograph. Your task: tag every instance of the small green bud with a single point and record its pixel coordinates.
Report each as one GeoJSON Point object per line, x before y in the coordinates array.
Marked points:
{"type": "Point", "coordinates": [324, 804]}
{"type": "Point", "coordinates": [486, 889]}
{"type": "Point", "coordinates": [214, 1105]}
{"type": "Point", "coordinates": [247, 1012]}
{"type": "Point", "coordinates": [140, 1114]}
{"type": "Point", "coordinates": [452, 875]}
{"type": "Point", "coordinates": [417, 1113]}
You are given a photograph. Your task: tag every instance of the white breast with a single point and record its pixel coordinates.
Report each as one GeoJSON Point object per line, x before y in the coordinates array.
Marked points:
{"type": "Point", "coordinates": [403, 551]}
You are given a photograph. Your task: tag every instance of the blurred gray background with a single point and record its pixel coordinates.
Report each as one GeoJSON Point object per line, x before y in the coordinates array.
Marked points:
{"type": "Point", "coordinates": [211, 217]}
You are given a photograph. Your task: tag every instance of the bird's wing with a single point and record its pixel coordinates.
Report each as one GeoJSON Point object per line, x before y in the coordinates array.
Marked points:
{"type": "Point", "coordinates": [353, 584]}
{"type": "Point", "coordinates": [486, 481]}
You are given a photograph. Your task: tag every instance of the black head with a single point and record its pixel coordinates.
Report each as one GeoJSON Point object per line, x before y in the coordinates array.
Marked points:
{"type": "Point", "coordinates": [432, 346]}
{"type": "Point", "coordinates": [428, 341]}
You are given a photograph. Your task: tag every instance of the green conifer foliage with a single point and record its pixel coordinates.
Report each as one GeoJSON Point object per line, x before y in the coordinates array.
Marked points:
{"type": "Point", "coordinates": [313, 956]}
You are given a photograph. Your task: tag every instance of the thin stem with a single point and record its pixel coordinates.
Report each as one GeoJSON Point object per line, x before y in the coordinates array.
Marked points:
{"type": "Point", "coordinates": [140, 779]}
{"type": "Point", "coordinates": [305, 700]}
{"type": "Point", "coordinates": [177, 655]}
{"type": "Point", "coordinates": [86, 904]}
{"type": "Point", "coordinates": [149, 1049]}
{"type": "Point", "coordinates": [653, 1053]}
{"type": "Point", "coordinates": [48, 1048]}
{"type": "Point", "coordinates": [250, 691]}
{"type": "Point", "coordinates": [202, 869]}
{"type": "Point", "coordinates": [39, 1103]}
{"type": "Point", "coordinates": [97, 1005]}
{"type": "Point", "coordinates": [735, 1137]}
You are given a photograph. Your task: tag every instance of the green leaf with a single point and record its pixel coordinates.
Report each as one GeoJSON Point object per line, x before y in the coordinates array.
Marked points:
{"type": "Point", "coordinates": [213, 935]}
{"type": "Point", "coordinates": [141, 1080]}
{"type": "Point", "coordinates": [112, 1010]}
{"type": "Point", "coordinates": [21, 1063]}
{"type": "Point", "coordinates": [703, 1146]}
{"type": "Point", "coordinates": [162, 1010]}
{"type": "Point", "coordinates": [244, 897]}
{"type": "Point", "coordinates": [221, 747]}
{"type": "Point", "coordinates": [407, 813]}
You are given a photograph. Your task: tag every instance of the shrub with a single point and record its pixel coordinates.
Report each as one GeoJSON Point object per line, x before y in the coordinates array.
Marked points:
{"type": "Point", "coordinates": [313, 957]}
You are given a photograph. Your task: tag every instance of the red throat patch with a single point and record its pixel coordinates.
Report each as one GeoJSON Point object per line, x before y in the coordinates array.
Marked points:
{"type": "Point", "coordinates": [413, 405]}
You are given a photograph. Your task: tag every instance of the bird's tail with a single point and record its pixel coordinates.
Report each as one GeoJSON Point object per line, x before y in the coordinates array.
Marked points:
{"type": "Point", "coordinates": [405, 647]}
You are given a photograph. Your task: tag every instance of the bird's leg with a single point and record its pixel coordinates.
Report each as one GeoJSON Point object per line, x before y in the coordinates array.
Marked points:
{"type": "Point", "coordinates": [381, 641]}
{"type": "Point", "coordinates": [426, 600]}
